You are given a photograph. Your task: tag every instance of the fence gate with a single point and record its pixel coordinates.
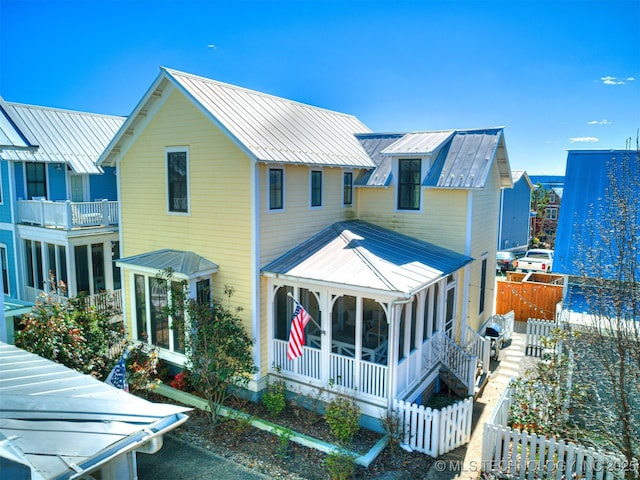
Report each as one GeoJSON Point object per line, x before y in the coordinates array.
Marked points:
{"type": "Point", "coordinates": [536, 329]}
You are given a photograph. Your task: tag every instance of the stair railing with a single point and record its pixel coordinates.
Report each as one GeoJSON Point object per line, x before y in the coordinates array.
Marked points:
{"type": "Point", "coordinates": [459, 362]}
{"type": "Point", "coordinates": [476, 344]}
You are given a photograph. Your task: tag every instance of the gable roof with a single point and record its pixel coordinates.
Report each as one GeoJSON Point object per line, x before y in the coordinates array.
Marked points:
{"type": "Point", "coordinates": [518, 175]}
{"type": "Point", "coordinates": [586, 182]}
{"type": "Point", "coordinates": [10, 134]}
{"type": "Point", "coordinates": [463, 158]}
{"type": "Point", "coordinates": [57, 423]}
{"type": "Point", "coordinates": [362, 255]}
{"type": "Point", "coordinates": [53, 135]}
{"type": "Point", "coordinates": [266, 127]}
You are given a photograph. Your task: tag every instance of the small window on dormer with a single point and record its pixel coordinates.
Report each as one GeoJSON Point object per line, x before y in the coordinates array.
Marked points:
{"type": "Point", "coordinates": [316, 188]}
{"type": "Point", "coordinates": [409, 183]}
{"type": "Point", "coordinates": [178, 180]}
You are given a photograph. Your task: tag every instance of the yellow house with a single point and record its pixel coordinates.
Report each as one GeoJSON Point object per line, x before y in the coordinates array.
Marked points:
{"type": "Point", "coordinates": [387, 240]}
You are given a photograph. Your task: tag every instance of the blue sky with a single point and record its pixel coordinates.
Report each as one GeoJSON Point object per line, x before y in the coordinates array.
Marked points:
{"type": "Point", "coordinates": [558, 75]}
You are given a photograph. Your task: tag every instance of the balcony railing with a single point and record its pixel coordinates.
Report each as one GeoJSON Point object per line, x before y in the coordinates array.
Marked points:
{"type": "Point", "coordinates": [68, 215]}
{"type": "Point", "coordinates": [103, 302]}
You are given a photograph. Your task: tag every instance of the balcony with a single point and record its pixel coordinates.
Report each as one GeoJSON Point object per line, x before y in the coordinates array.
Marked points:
{"type": "Point", "coordinates": [67, 215]}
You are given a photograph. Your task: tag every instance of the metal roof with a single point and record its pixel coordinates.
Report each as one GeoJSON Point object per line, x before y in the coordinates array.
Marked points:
{"type": "Point", "coordinates": [587, 199]}
{"type": "Point", "coordinates": [360, 254]}
{"type": "Point", "coordinates": [10, 135]}
{"type": "Point", "coordinates": [181, 262]}
{"type": "Point", "coordinates": [466, 160]}
{"type": "Point", "coordinates": [418, 143]}
{"type": "Point", "coordinates": [56, 422]}
{"type": "Point", "coordinates": [61, 136]}
{"type": "Point", "coordinates": [275, 129]}
{"type": "Point", "coordinates": [374, 144]}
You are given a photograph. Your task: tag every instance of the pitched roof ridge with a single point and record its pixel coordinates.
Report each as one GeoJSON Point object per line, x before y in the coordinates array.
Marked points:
{"type": "Point", "coordinates": [63, 110]}
{"type": "Point", "coordinates": [173, 72]}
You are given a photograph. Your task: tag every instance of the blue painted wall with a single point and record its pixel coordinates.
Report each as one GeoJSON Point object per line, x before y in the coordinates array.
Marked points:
{"type": "Point", "coordinates": [5, 207]}
{"type": "Point", "coordinates": [104, 186]}
{"type": "Point", "coordinates": [515, 215]}
{"type": "Point", "coordinates": [6, 238]}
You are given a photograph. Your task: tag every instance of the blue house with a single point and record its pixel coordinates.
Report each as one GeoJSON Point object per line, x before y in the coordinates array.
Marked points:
{"type": "Point", "coordinates": [590, 222]}
{"type": "Point", "coordinates": [515, 208]}
{"type": "Point", "coordinates": [58, 209]}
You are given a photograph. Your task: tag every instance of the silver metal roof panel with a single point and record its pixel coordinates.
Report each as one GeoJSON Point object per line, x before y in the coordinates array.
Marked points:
{"type": "Point", "coordinates": [374, 144]}
{"type": "Point", "coordinates": [185, 263]}
{"type": "Point", "coordinates": [419, 143]}
{"type": "Point", "coordinates": [275, 129]}
{"type": "Point", "coordinates": [62, 136]}
{"type": "Point", "coordinates": [52, 417]}
{"type": "Point", "coordinates": [360, 254]}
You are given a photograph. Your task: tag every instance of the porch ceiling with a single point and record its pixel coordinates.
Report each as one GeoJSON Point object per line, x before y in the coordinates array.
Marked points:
{"type": "Point", "coordinates": [364, 255]}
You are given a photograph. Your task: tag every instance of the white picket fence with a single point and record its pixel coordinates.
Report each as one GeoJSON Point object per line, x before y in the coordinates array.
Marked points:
{"type": "Point", "coordinates": [536, 329]}
{"type": "Point", "coordinates": [514, 454]}
{"type": "Point", "coordinates": [434, 432]}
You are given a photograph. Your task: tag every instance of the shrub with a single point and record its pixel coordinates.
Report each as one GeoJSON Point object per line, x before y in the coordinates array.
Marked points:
{"type": "Point", "coordinates": [342, 415]}
{"type": "Point", "coordinates": [274, 398]}
{"type": "Point", "coordinates": [180, 381]}
{"type": "Point", "coordinates": [142, 364]}
{"type": "Point", "coordinates": [340, 465]}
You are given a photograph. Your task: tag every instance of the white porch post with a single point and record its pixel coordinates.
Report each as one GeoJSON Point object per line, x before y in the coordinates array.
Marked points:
{"type": "Point", "coordinates": [325, 305]}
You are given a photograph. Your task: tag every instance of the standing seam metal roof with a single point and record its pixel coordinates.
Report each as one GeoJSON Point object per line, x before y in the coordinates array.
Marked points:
{"type": "Point", "coordinates": [361, 254]}
{"type": "Point", "coordinates": [275, 129]}
{"type": "Point", "coordinates": [62, 136]}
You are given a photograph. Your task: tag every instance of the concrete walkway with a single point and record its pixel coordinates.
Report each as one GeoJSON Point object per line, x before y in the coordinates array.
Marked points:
{"type": "Point", "coordinates": [465, 462]}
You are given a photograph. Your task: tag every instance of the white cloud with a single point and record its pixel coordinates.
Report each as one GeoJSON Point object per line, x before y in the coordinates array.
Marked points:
{"type": "Point", "coordinates": [630, 79]}
{"type": "Point", "coordinates": [604, 121]}
{"type": "Point", "coordinates": [609, 80]}
{"type": "Point", "coordinates": [584, 140]}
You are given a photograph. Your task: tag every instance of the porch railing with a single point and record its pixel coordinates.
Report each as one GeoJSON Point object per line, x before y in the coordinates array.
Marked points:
{"type": "Point", "coordinates": [103, 302]}
{"type": "Point", "coordinates": [477, 345]}
{"type": "Point", "coordinates": [67, 215]}
{"type": "Point", "coordinates": [459, 362]}
{"type": "Point", "coordinates": [345, 372]}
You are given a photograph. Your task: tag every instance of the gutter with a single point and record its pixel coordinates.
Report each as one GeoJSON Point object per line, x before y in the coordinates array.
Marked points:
{"type": "Point", "coordinates": [138, 441]}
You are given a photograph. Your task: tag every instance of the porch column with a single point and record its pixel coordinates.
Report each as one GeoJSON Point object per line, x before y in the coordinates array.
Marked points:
{"type": "Point", "coordinates": [325, 340]}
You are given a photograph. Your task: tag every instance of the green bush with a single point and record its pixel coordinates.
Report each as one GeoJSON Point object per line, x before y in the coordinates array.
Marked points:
{"type": "Point", "coordinates": [342, 415]}
{"type": "Point", "coordinates": [274, 398]}
{"type": "Point", "coordinates": [340, 465]}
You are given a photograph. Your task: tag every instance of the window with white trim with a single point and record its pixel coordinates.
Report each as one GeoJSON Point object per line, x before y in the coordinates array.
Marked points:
{"type": "Point", "coordinates": [316, 188]}
{"type": "Point", "coordinates": [36, 176]}
{"type": "Point", "coordinates": [409, 183]}
{"type": "Point", "coordinates": [347, 189]}
{"type": "Point", "coordinates": [177, 180]}
{"type": "Point", "coordinates": [153, 322]}
{"type": "Point", "coordinates": [5, 269]}
{"type": "Point", "coordinates": [483, 284]}
{"type": "Point", "coordinates": [276, 189]}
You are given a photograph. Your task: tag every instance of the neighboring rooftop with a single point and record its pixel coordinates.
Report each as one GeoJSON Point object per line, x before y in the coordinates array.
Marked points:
{"type": "Point", "coordinates": [30, 133]}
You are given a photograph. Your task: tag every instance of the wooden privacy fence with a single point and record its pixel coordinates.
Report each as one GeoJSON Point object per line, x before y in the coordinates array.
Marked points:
{"type": "Point", "coordinates": [434, 432]}
{"type": "Point", "coordinates": [536, 329]}
{"type": "Point", "coordinates": [529, 295]}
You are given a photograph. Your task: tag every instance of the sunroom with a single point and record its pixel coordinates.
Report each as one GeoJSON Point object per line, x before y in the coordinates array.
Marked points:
{"type": "Point", "coordinates": [383, 308]}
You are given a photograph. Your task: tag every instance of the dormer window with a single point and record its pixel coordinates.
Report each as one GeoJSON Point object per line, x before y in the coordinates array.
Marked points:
{"type": "Point", "coordinates": [409, 183]}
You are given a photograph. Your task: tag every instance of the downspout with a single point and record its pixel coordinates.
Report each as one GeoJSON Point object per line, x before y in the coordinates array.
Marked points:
{"type": "Point", "coordinates": [464, 314]}
{"type": "Point", "coordinates": [392, 351]}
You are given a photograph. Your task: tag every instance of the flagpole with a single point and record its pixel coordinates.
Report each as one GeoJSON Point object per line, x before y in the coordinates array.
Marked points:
{"type": "Point", "coordinates": [289, 294]}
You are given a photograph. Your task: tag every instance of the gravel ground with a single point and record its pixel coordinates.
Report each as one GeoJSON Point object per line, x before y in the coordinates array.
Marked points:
{"type": "Point", "coordinates": [266, 453]}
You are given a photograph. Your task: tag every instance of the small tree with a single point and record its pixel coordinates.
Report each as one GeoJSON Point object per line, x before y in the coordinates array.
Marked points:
{"type": "Point", "coordinates": [218, 347]}
{"type": "Point", "coordinates": [608, 252]}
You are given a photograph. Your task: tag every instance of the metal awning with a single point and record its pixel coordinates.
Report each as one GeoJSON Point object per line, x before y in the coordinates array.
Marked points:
{"type": "Point", "coordinates": [188, 264]}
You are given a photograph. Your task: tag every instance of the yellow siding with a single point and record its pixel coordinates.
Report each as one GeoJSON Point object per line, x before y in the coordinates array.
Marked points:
{"type": "Point", "coordinates": [442, 220]}
{"type": "Point", "coordinates": [484, 239]}
{"type": "Point", "coordinates": [280, 231]}
{"type": "Point", "coordinates": [219, 224]}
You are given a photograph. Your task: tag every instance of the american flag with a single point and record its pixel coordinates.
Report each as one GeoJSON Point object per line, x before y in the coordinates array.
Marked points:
{"type": "Point", "coordinates": [118, 376]}
{"type": "Point", "coordinates": [296, 335]}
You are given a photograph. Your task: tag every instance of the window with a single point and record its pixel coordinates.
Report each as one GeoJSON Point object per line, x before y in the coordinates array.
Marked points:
{"type": "Point", "coordinates": [552, 197]}
{"type": "Point", "coordinates": [177, 181]}
{"type": "Point", "coordinates": [347, 188]}
{"type": "Point", "coordinates": [203, 291]}
{"type": "Point", "coordinates": [276, 190]}
{"type": "Point", "coordinates": [36, 180]}
{"type": "Point", "coordinates": [551, 213]}
{"type": "Point", "coordinates": [5, 269]}
{"type": "Point", "coordinates": [33, 257]}
{"type": "Point", "coordinates": [316, 188]}
{"type": "Point", "coordinates": [76, 185]}
{"type": "Point", "coordinates": [450, 306]}
{"type": "Point", "coordinates": [152, 296]}
{"type": "Point", "coordinates": [82, 269]}
{"type": "Point", "coordinates": [409, 173]}
{"type": "Point", "coordinates": [483, 285]}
